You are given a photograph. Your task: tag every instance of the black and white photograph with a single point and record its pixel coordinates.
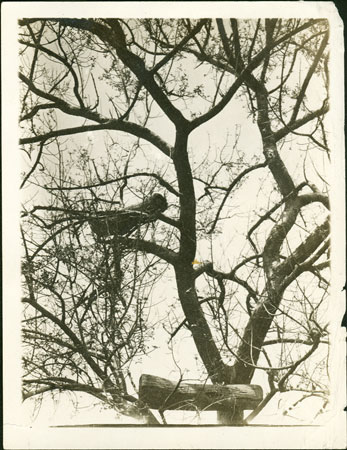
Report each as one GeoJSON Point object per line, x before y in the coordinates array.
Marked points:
{"type": "Point", "coordinates": [174, 225]}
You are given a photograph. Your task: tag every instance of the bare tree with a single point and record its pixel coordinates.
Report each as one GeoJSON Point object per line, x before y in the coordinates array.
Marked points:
{"type": "Point", "coordinates": [149, 88]}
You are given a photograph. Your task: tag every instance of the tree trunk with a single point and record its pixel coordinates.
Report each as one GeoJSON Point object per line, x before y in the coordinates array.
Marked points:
{"type": "Point", "coordinates": [230, 417]}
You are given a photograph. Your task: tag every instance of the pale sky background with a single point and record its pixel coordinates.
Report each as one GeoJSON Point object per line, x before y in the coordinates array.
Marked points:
{"type": "Point", "coordinates": [26, 429]}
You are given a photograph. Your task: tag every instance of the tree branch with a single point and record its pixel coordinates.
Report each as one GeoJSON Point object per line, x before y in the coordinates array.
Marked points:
{"type": "Point", "coordinates": [230, 188]}
{"type": "Point", "coordinates": [281, 382]}
{"type": "Point", "coordinates": [80, 346]}
{"type": "Point", "coordinates": [64, 61]}
{"type": "Point", "coordinates": [113, 124]}
{"type": "Point", "coordinates": [179, 46]}
{"type": "Point", "coordinates": [308, 77]}
{"type": "Point", "coordinates": [114, 36]}
{"type": "Point", "coordinates": [142, 245]}
{"type": "Point", "coordinates": [292, 126]}
{"type": "Point", "coordinates": [161, 181]}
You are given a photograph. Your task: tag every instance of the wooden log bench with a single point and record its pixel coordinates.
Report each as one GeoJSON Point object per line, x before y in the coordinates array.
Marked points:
{"type": "Point", "coordinates": [161, 394]}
